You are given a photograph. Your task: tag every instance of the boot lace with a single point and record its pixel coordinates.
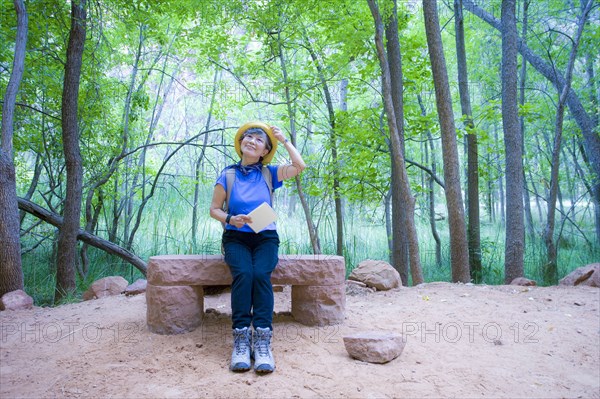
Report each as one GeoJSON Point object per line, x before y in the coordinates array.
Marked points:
{"type": "Point", "coordinates": [241, 342]}
{"type": "Point", "coordinates": [262, 343]}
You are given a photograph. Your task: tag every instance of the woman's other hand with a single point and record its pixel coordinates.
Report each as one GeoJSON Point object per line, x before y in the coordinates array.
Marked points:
{"type": "Point", "coordinates": [240, 220]}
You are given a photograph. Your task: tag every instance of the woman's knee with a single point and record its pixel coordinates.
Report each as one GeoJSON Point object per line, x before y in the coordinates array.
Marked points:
{"type": "Point", "coordinates": [242, 274]}
{"type": "Point", "coordinates": [262, 278]}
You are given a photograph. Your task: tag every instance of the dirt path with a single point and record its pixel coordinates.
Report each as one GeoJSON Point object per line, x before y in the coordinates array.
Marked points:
{"type": "Point", "coordinates": [463, 341]}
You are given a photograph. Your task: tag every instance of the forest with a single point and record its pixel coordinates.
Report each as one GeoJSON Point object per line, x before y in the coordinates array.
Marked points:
{"type": "Point", "coordinates": [456, 139]}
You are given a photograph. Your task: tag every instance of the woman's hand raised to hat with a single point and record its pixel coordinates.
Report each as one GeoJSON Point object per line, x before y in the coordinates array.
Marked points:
{"type": "Point", "coordinates": [296, 166]}
{"type": "Point", "coordinates": [278, 134]}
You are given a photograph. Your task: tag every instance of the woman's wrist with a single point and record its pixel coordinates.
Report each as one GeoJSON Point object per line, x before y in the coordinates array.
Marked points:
{"type": "Point", "coordinates": [228, 218]}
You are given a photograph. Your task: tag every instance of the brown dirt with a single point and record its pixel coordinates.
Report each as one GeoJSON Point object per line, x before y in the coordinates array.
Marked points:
{"type": "Point", "coordinates": [464, 341]}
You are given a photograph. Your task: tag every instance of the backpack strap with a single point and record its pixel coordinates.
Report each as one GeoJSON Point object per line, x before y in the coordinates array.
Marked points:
{"type": "Point", "coordinates": [266, 172]}
{"type": "Point", "coordinates": [229, 179]}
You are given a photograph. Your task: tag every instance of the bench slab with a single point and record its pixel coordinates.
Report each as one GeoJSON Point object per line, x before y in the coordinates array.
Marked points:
{"type": "Point", "coordinates": [175, 294]}
{"type": "Point", "coordinates": [212, 270]}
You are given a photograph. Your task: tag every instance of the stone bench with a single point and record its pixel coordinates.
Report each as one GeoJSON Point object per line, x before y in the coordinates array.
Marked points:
{"type": "Point", "coordinates": [175, 293]}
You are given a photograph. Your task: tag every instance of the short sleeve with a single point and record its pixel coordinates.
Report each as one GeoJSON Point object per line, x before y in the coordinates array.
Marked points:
{"type": "Point", "coordinates": [275, 182]}
{"type": "Point", "coordinates": [222, 180]}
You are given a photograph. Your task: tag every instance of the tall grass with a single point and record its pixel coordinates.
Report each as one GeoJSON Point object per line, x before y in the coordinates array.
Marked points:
{"type": "Point", "coordinates": [40, 274]}
{"type": "Point", "coordinates": [166, 229]}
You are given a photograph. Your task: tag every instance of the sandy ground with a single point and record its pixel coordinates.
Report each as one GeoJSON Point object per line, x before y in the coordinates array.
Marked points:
{"type": "Point", "coordinates": [463, 341]}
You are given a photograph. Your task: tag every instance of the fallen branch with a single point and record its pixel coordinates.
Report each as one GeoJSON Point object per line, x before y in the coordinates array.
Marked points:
{"type": "Point", "coordinates": [88, 238]}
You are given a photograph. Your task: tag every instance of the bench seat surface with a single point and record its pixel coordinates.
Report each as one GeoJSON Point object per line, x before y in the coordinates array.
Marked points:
{"type": "Point", "coordinates": [313, 270]}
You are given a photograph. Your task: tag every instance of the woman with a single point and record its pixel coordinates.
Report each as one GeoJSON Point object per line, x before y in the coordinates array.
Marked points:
{"type": "Point", "coordinates": [251, 256]}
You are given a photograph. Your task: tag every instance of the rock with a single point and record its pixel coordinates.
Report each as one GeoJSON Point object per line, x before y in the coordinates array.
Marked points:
{"type": "Point", "coordinates": [107, 286]}
{"type": "Point", "coordinates": [586, 275]}
{"type": "Point", "coordinates": [318, 305]}
{"type": "Point", "coordinates": [377, 274]}
{"type": "Point", "coordinates": [138, 287]}
{"type": "Point", "coordinates": [16, 300]}
{"type": "Point", "coordinates": [355, 288]}
{"type": "Point", "coordinates": [374, 346]}
{"type": "Point", "coordinates": [174, 309]}
{"type": "Point", "coordinates": [356, 283]}
{"type": "Point", "coordinates": [523, 281]}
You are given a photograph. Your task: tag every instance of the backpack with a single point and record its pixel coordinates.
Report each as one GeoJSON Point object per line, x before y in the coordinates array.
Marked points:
{"type": "Point", "coordinates": [230, 179]}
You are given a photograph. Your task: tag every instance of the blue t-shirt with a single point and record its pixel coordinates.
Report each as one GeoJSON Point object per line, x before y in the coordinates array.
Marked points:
{"type": "Point", "coordinates": [249, 191]}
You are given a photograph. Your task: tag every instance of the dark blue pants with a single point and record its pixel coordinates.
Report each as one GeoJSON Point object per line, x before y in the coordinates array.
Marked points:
{"type": "Point", "coordinates": [251, 258]}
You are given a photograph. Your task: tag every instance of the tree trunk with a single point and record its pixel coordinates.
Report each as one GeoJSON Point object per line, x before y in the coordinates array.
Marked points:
{"type": "Point", "coordinates": [340, 221]}
{"type": "Point", "coordinates": [92, 216]}
{"type": "Point", "coordinates": [523, 78]}
{"type": "Point", "coordinates": [198, 164]}
{"type": "Point", "coordinates": [37, 171]}
{"type": "Point", "coordinates": [114, 163]}
{"type": "Point", "coordinates": [67, 237]}
{"type": "Point", "coordinates": [432, 222]}
{"type": "Point", "coordinates": [140, 178]}
{"type": "Point", "coordinates": [536, 192]}
{"type": "Point", "coordinates": [400, 254]}
{"type": "Point", "coordinates": [130, 183]}
{"type": "Point", "coordinates": [459, 250]}
{"type": "Point", "coordinates": [551, 268]}
{"type": "Point", "coordinates": [388, 204]}
{"type": "Point", "coordinates": [11, 270]}
{"type": "Point", "coordinates": [589, 61]}
{"type": "Point", "coordinates": [388, 226]}
{"type": "Point", "coordinates": [400, 247]}
{"type": "Point", "coordinates": [413, 241]}
{"type": "Point", "coordinates": [473, 228]}
{"type": "Point", "coordinates": [490, 185]}
{"type": "Point", "coordinates": [114, 222]}
{"type": "Point", "coordinates": [312, 229]}
{"type": "Point", "coordinates": [515, 229]}
{"type": "Point", "coordinates": [431, 197]}
{"type": "Point", "coordinates": [337, 198]}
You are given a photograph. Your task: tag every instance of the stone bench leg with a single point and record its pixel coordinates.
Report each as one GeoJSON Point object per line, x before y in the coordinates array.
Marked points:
{"type": "Point", "coordinates": [319, 305]}
{"type": "Point", "coordinates": [174, 309]}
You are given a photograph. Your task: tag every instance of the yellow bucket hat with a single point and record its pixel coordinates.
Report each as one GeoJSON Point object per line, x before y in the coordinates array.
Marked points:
{"type": "Point", "coordinates": [246, 126]}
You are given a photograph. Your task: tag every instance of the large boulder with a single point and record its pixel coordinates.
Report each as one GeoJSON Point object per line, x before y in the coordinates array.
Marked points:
{"type": "Point", "coordinates": [107, 286]}
{"type": "Point", "coordinates": [586, 275]}
{"type": "Point", "coordinates": [374, 346]}
{"type": "Point", "coordinates": [16, 300]}
{"type": "Point", "coordinates": [377, 274]}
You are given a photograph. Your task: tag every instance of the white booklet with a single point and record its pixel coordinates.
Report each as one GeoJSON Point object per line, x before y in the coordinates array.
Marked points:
{"type": "Point", "coordinates": [262, 216]}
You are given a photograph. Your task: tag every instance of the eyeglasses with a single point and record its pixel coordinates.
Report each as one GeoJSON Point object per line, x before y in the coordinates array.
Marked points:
{"type": "Point", "coordinates": [259, 136]}
{"type": "Point", "coordinates": [256, 138]}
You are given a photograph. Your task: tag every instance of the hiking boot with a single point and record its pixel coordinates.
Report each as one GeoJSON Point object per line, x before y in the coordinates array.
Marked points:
{"type": "Point", "coordinates": [263, 357]}
{"type": "Point", "coordinates": [242, 346]}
